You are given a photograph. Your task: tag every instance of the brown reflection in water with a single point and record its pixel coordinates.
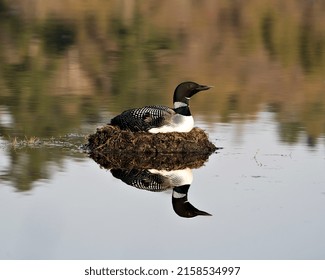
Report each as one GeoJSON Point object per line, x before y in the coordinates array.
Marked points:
{"type": "Point", "coordinates": [61, 61]}
{"type": "Point", "coordinates": [255, 53]}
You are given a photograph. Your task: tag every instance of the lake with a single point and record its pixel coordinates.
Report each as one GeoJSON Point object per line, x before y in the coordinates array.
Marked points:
{"type": "Point", "coordinates": [67, 68]}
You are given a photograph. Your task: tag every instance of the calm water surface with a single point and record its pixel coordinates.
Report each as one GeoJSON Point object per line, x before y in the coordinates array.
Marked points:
{"type": "Point", "coordinates": [66, 69]}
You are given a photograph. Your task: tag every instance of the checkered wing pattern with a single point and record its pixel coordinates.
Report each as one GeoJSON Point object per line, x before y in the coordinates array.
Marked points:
{"type": "Point", "coordinates": [142, 179]}
{"type": "Point", "coordinates": [143, 119]}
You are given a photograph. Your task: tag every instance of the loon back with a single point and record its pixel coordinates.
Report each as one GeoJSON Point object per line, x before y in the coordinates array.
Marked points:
{"type": "Point", "coordinates": [143, 119]}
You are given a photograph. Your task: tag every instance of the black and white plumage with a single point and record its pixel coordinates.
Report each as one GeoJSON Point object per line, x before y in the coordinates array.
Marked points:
{"type": "Point", "coordinates": [157, 118]}
{"type": "Point", "coordinates": [142, 179]}
{"type": "Point", "coordinates": [152, 179]}
{"type": "Point", "coordinates": [143, 119]}
{"type": "Point", "coordinates": [161, 180]}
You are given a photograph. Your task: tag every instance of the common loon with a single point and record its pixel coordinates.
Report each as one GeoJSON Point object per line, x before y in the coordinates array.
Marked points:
{"type": "Point", "coordinates": [160, 180]}
{"type": "Point", "coordinates": [157, 118]}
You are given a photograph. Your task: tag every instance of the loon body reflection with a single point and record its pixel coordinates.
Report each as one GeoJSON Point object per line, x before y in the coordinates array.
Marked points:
{"type": "Point", "coordinates": [142, 179]}
{"type": "Point", "coordinates": [157, 118]}
{"type": "Point", "coordinates": [160, 180]}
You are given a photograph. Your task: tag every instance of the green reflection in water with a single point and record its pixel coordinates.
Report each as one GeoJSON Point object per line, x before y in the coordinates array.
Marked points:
{"type": "Point", "coordinates": [57, 36]}
{"type": "Point", "coordinates": [267, 34]}
{"type": "Point", "coordinates": [60, 66]}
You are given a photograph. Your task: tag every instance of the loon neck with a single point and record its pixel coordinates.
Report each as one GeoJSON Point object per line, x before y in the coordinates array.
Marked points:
{"type": "Point", "coordinates": [181, 192]}
{"type": "Point", "coordinates": [182, 108]}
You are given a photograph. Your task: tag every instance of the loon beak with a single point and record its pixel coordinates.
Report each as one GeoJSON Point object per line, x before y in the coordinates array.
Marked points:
{"type": "Point", "coordinates": [203, 87]}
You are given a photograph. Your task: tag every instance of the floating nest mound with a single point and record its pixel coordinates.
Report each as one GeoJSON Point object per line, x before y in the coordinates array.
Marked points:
{"type": "Point", "coordinates": [110, 139]}
{"type": "Point", "coordinates": [112, 147]}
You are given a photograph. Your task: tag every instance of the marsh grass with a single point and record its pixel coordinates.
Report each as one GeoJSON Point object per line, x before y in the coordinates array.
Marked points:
{"type": "Point", "coordinates": [32, 142]}
{"type": "Point", "coordinates": [15, 142]}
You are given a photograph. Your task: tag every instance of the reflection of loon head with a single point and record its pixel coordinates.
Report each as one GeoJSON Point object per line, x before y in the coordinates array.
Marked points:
{"type": "Point", "coordinates": [161, 180]}
{"type": "Point", "coordinates": [182, 206]}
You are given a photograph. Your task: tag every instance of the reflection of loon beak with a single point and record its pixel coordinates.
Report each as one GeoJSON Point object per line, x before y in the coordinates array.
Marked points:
{"type": "Point", "coordinates": [181, 205]}
{"type": "Point", "coordinates": [187, 210]}
{"type": "Point", "coordinates": [202, 213]}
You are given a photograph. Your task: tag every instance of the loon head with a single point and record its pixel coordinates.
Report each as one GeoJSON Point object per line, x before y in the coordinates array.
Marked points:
{"type": "Point", "coordinates": [181, 205]}
{"type": "Point", "coordinates": [186, 90]}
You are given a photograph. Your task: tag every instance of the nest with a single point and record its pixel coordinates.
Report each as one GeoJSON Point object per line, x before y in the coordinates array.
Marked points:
{"type": "Point", "coordinates": [112, 147]}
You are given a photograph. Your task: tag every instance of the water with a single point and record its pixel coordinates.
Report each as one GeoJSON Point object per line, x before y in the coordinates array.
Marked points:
{"type": "Point", "coordinates": [66, 69]}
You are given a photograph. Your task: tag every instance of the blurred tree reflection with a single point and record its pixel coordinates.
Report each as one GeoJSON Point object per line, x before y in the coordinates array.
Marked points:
{"type": "Point", "coordinates": [57, 36]}
{"type": "Point", "coordinates": [61, 62]}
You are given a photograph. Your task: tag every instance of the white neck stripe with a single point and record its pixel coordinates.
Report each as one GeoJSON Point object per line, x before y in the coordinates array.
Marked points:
{"type": "Point", "coordinates": [178, 104]}
{"type": "Point", "coordinates": [178, 195]}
